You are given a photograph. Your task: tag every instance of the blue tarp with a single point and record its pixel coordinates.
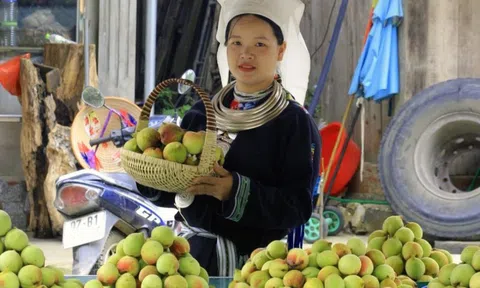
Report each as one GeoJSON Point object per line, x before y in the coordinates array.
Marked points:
{"type": "Point", "coordinates": [377, 75]}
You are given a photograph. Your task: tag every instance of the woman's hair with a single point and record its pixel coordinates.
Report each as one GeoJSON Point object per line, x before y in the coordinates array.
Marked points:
{"type": "Point", "coordinates": [276, 29]}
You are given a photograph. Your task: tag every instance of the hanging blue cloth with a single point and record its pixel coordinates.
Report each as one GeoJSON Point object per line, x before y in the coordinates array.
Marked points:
{"type": "Point", "coordinates": [377, 73]}
{"type": "Point", "coordinates": [295, 237]}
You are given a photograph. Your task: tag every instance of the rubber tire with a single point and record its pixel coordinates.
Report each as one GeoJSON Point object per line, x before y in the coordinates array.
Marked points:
{"type": "Point", "coordinates": [340, 218]}
{"type": "Point", "coordinates": [312, 240]}
{"type": "Point", "coordinates": [113, 238]}
{"type": "Point", "coordinates": [408, 197]}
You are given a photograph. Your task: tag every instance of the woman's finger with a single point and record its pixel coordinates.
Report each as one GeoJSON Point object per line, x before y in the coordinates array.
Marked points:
{"type": "Point", "coordinates": [201, 189]}
{"type": "Point", "coordinates": [222, 172]}
{"type": "Point", "coordinates": [205, 180]}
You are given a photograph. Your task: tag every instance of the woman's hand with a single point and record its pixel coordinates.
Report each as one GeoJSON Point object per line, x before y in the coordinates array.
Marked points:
{"type": "Point", "coordinates": [218, 187]}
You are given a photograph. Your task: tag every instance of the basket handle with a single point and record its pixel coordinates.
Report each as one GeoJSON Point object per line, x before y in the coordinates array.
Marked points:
{"type": "Point", "coordinates": [147, 107]}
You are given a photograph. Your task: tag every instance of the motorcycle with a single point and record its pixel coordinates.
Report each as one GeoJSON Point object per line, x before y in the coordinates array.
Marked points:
{"type": "Point", "coordinates": [101, 209]}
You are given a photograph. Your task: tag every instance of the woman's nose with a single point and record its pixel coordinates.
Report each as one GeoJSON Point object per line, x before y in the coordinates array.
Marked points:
{"type": "Point", "coordinates": [246, 54]}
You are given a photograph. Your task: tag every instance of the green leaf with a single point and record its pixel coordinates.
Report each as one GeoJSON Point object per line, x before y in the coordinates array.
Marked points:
{"type": "Point", "coordinates": [185, 108]}
{"type": "Point", "coordinates": [169, 112]}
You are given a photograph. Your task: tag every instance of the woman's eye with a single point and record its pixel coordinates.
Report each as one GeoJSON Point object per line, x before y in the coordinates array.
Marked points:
{"type": "Point", "coordinates": [260, 44]}
{"type": "Point", "coordinates": [236, 43]}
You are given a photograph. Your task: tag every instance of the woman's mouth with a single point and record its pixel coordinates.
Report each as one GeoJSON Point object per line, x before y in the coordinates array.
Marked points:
{"type": "Point", "coordinates": [246, 68]}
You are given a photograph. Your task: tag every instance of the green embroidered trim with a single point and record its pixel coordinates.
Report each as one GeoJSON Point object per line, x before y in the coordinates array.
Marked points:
{"type": "Point", "coordinates": [241, 199]}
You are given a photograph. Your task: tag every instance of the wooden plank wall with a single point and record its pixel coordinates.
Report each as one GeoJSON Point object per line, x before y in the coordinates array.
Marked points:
{"type": "Point", "coordinates": [179, 25]}
{"type": "Point", "coordinates": [438, 40]}
{"type": "Point", "coordinates": [334, 98]}
{"type": "Point", "coordinates": [116, 53]}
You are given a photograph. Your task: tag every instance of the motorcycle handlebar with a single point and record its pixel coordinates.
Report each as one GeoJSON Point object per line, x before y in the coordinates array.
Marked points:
{"type": "Point", "coordinates": [100, 140]}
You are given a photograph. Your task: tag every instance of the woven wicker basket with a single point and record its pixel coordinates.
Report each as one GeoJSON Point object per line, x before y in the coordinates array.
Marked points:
{"type": "Point", "coordinates": [107, 154]}
{"type": "Point", "coordinates": [162, 174]}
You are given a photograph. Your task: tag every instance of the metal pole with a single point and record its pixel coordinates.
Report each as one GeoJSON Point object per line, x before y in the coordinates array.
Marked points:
{"type": "Point", "coordinates": [150, 44]}
{"type": "Point", "coordinates": [86, 46]}
{"type": "Point", "coordinates": [321, 206]}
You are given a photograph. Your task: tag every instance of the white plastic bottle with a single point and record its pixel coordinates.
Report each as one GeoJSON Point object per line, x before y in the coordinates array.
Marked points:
{"type": "Point", "coordinates": [55, 38]}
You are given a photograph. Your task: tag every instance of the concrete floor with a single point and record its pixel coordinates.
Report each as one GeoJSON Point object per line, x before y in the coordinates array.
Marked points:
{"type": "Point", "coordinates": [62, 258]}
{"type": "Point", "coordinates": [55, 254]}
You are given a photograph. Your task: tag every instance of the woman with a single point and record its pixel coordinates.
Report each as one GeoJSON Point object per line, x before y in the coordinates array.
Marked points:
{"type": "Point", "coordinates": [272, 151]}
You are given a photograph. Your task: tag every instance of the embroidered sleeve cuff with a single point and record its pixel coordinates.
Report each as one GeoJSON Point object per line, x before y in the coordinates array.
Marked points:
{"type": "Point", "coordinates": [234, 208]}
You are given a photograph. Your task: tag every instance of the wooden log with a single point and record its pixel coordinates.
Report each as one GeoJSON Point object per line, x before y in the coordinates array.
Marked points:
{"type": "Point", "coordinates": [37, 117]}
{"type": "Point", "coordinates": [50, 75]}
{"type": "Point", "coordinates": [50, 95]}
{"type": "Point", "coordinates": [69, 59]}
{"type": "Point", "coordinates": [52, 79]}
{"type": "Point", "coordinates": [45, 148]}
{"type": "Point", "coordinates": [60, 161]}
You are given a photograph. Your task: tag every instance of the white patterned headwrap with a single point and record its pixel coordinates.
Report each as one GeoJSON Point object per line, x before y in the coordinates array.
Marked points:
{"type": "Point", "coordinates": [287, 14]}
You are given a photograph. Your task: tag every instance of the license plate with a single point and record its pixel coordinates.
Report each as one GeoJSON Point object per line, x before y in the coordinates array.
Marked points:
{"type": "Point", "coordinates": [84, 229]}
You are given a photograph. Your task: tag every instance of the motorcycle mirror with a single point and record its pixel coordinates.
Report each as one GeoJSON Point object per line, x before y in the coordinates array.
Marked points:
{"type": "Point", "coordinates": [188, 75]}
{"type": "Point", "coordinates": [93, 97]}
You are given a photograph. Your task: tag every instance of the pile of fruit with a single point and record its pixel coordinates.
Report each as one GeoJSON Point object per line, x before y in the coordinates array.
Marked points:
{"type": "Point", "coordinates": [396, 256]}
{"type": "Point", "coordinates": [163, 260]}
{"type": "Point", "coordinates": [171, 143]}
{"type": "Point", "coordinates": [23, 264]}
{"type": "Point", "coordinates": [464, 274]}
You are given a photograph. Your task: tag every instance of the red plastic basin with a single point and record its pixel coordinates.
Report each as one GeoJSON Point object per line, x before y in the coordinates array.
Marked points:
{"type": "Point", "coordinates": [350, 162]}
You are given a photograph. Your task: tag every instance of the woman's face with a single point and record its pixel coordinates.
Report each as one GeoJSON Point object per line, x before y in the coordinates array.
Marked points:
{"type": "Point", "coordinates": [253, 53]}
